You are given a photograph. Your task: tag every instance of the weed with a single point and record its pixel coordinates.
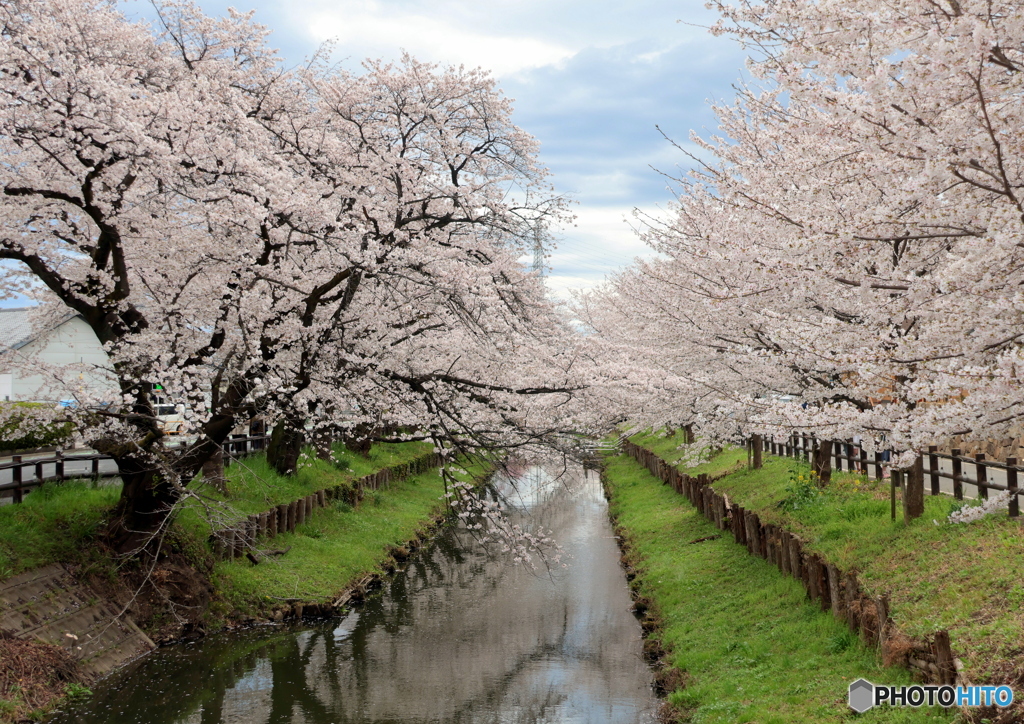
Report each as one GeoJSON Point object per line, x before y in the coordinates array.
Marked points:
{"type": "Point", "coordinates": [803, 491]}
{"type": "Point", "coordinates": [74, 691]}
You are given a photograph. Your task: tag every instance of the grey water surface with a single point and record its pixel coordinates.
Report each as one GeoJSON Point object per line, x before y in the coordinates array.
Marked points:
{"type": "Point", "coordinates": [460, 635]}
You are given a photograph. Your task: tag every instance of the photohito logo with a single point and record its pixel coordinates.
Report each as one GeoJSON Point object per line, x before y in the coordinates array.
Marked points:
{"type": "Point", "coordinates": [865, 695]}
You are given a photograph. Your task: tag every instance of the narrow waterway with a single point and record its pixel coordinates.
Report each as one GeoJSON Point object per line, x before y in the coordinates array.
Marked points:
{"type": "Point", "coordinates": [459, 635]}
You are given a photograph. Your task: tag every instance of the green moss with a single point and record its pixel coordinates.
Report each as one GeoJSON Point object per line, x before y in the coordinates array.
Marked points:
{"type": "Point", "coordinates": [752, 647]}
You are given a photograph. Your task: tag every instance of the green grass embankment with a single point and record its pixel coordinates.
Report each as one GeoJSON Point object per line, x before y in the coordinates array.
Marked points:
{"type": "Point", "coordinates": [965, 578]}
{"type": "Point", "coordinates": [751, 646]}
{"type": "Point", "coordinates": [58, 523]}
{"type": "Point", "coordinates": [336, 546]}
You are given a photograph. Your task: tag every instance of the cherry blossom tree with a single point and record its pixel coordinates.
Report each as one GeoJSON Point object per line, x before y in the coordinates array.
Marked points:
{"type": "Point", "coordinates": [845, 259]}
{"type": "Point", "coordinates": [324, 250]}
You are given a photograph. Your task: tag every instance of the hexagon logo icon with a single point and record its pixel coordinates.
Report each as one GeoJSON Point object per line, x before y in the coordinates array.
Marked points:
{"type": "Point", "coordinates": [862, 695]}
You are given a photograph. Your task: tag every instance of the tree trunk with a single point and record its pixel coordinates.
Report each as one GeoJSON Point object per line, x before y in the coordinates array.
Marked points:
{"type": "Point", "coordinates": [823, 462]}
{"type": "Point", "coordinates": [688, 434]}
{"type": "Point", "coordinates": [213, 471]}
{"type": "Point", "coordinates": [284, 448]}
{"type": "Point", "coordinates": [359, 440]}
{"type": "Point", "coordinates": [323, 441]}
{"type": "Point", "coordinates": [147, 500]}
{"type": "Point", "coordinates": [913, 491]}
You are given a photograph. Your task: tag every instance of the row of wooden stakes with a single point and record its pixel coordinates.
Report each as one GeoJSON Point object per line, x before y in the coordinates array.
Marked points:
{"type": "Point", "coordinates": [833, 589]}
{"type": "Point", "coordinates": [239, 539]}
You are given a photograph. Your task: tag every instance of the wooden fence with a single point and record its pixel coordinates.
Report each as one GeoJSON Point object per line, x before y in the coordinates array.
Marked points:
{"type": "Point", "coordinates": [235, 447]}
{"type": "Point", "coordinates": [239, 538]}
{"type": "Point", "coordinates": [927, 466]}
{"type": "Point", "coordinates": [833, 589]}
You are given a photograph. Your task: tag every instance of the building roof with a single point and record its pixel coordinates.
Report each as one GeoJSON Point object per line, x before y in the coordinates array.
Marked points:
{"type": "Point", "coordinates": [21, 325]}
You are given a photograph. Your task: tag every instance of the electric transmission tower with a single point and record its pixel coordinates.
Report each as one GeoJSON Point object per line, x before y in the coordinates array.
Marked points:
{"type": "Point", "coordinates": [538, 250]}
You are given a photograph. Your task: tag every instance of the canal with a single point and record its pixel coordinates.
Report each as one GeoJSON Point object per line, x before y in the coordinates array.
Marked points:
{"type": "Point", "coordinates": [458, 635]}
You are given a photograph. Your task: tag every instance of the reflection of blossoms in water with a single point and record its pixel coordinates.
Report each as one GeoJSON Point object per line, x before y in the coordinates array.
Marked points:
{"type": "Point", "coordinates": [490, 522]}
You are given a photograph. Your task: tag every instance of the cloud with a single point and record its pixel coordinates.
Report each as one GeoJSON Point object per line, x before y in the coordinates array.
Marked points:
{"type": "Point", "coordinates": [436, 37]}
{"type": "Point", "coordinates": [603, 240]}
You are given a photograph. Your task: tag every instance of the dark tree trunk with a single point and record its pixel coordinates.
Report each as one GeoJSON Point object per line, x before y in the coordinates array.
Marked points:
{"type": "Point", "coordinates": [823, 462]}
{"type": "Point", "coordinates": [359, 440]}
{"type": "Point", "coordinates": [284, 448]}
{"type": "Point", "coordinates": [213, 471]}
{"type": "Point", "coordinates": [757, 446]}
{"type": "Point", "coordinates": [147, 500]}
{"type": "Point", "coordinates": [323, 441]}
{"type": "Point", "coordinates": [913, 491]}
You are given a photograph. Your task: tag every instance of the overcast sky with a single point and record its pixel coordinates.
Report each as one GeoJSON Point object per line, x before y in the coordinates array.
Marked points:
{"type": "Point", "coordinates": [591, 81]}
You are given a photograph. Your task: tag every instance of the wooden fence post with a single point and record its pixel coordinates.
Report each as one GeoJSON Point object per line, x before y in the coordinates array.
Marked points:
{"type": "Point", "coordinates": [933, 468]}
{"type": "Point", "coordinates": [1011, 485]}
{"type": "Point", "coordinates": [958, 481]}
{"type": "Point", "coordinates": [758, 442]}
{"type": "Point", "coordinates": [913, 491]}
{"type": "Point", "coordinates": [981, 475]}
{"type": "Point", "coordinates": [60, 466]}
{"type": "Point", "coordinates": [895, 480]}
{"type": "Point", "coordinates": [16, 478]}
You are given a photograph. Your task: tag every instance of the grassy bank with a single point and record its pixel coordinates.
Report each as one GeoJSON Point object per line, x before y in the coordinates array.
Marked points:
{"type": "Point", "coordinates": [751, 647]}
{"type": "Point", "coordinates": [962, 577]}
{"type": "Point", "coordinates": [335, 547]}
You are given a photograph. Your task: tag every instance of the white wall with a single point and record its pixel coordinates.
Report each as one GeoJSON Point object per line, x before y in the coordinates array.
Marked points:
{"type": "Point", "coordinates": [52, 367]}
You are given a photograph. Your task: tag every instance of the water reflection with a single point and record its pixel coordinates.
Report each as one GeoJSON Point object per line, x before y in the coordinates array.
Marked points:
{"type": "Point", "coordinates": [458, 636]}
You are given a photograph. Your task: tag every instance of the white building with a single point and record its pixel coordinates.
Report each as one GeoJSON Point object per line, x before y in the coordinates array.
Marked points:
{"type": "Point", "coordinates": [48, 356]}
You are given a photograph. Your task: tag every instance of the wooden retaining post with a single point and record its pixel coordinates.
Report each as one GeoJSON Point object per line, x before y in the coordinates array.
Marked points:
{"type": "Point", "coordinates": [835, 588]}
{"type": "Point", "coordinates": [321, 496]}
{"type": "Point", "coordinates": [852, 594]}
{"type": "Point", "coordinates": [283, 515]}
{"type": "Point", "coordinates": [821, 576]}
{"type": "Point", "coordinates": [217, 542]}
{"type": "Point", "coordinates": [795, 554]}
{"type": "Point", "coordinates": [293, 515]}
{"type": "Point", "coordinates": [752, 539]}
{"type": "Point", "coordinates": [944, 654]}
{"type": "Point", "coordinates": [811, 577]}
{"type": "Point", "coordinates": [785, 557]}
{"type": "Point", "coordinates": [272, 517]}
{"type": "Point", "coordinates": [238, 542]}
{"type": "Point", "coordinates": [882, 611]}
